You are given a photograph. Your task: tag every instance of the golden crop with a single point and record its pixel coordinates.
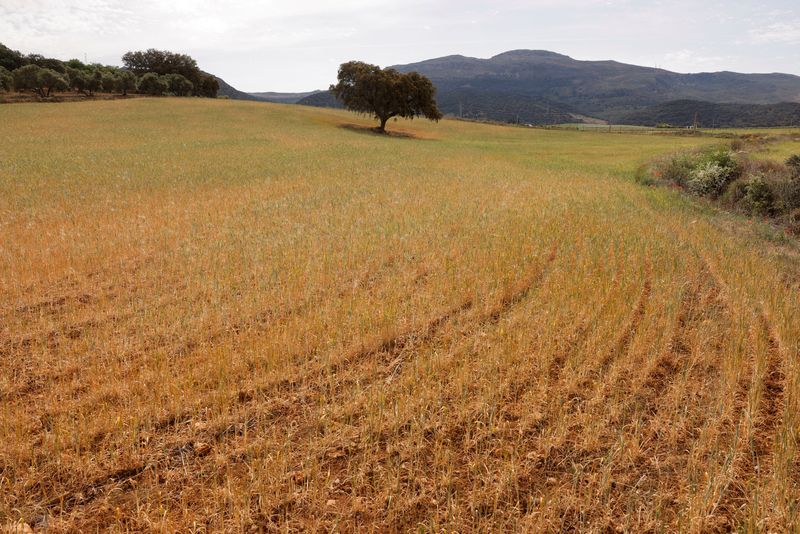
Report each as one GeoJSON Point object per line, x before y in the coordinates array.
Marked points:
{"type": "Point", "coordinates": [226, 316]}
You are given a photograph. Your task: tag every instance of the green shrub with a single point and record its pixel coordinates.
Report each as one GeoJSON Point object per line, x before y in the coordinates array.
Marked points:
{"type": "Point", "coordinates": [721, 157]}
{"type": "Point", "coordinates": [676, 170]}
{"type": "Point", "coordinates": [708, 180]}
{"type": "Point", "coordinates": [734, 193]}
{"type": "Point", "coordinates": [705, 173]}
{"type": "Point", "coordinates": [759, 198]}
{"type": "Point", "coordinates": [787, 195]}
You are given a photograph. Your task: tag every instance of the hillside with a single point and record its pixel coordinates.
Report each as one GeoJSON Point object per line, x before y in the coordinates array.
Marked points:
{"type": "Point", "coordinates": [710, 115]}
{"type": "Point", "coordinates": [244, 317]}
{"type": "Point", "coordinates": [283, 98]}
{"type": "Point", "coordinates": [529, 80]}
{"type": "Point", "coordinates": [476, 105]}
{"type": "Point", "coordinates": [227, 90]}
{"type": "Point", "coordinates": [322, 99]}
{"type": "Point", "coordinates": [599, 88]}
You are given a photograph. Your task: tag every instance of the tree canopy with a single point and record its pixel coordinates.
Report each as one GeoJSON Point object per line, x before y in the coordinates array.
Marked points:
{"type": "Point", "coordinates": [39, 80]}
{"type": "Point", "coordinates": [385, 93]}
{"type": "Point", "coordinates": [160, 62]}
{"type": "Point", "coordinates": [167, 63]}
{"type": "Point", "coordinates": [171, 73]}
{"type": "Point", "coordinates": [6, 80]}
{"type": "Point", "coordinates": [153, 84]}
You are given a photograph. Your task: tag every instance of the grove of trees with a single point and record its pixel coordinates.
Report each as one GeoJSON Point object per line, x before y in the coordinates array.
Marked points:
{"type": "Point", "coordinates": [385, 93]}
{"type": "Point", "coordinates": [152, 72]}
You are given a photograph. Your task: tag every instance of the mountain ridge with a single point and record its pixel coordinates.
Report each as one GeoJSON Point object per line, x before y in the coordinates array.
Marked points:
{"type": "Point", "coordinates": [517, 85]}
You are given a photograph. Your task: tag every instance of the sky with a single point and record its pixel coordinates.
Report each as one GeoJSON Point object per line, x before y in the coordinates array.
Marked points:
{"type": "Point", "coordinates": [292, 46]}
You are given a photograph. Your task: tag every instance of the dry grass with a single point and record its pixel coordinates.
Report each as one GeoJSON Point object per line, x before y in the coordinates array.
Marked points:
{"type": "Point", "coordinates": [222, 316]}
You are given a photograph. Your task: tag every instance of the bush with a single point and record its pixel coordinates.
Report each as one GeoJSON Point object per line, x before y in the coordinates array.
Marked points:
{"type": "Point", "coordinates": [787, 195]}
{"type": "Point", "coordinates": [708, 180]}
{"type": "Point", "coordinates": [793, 222]}
{"type": "Point", "coordinates": [677, 170]}
{"type": "Point", "coordinates": [794, 165]}
{"type": "Point", "coordinates": [734, 193]}
{"type": "Point", "coordinates": [722, 158]}
{"type": "Point", "coordinates": [759, 198]}
{"type": "Point", "coordinates": [703, 173]}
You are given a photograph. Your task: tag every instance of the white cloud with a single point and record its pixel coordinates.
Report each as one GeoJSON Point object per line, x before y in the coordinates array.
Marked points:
{"type": "Point", "coordinates": [778, 32]}
{"type": "Point", "coordinates": [295, 45]}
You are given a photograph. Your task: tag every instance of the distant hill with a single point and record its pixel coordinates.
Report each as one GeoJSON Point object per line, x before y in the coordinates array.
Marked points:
{"type": "Point", "coordinates": [605, 89]}
{"type": "Point", "coordinates": [504, 107]}
{"type": "Point", "coordinates": [710, 114]}
{"type": "Point", "coordinates": [322, 99]}
{"type": "Point", "coordinates": [225, 89]}
{"type": "Point", "coordinates": [542, 87]}
{"type": "Point", "coordinates": [283, 98]}
{"type": "Point", "coordinates": [481, 106]}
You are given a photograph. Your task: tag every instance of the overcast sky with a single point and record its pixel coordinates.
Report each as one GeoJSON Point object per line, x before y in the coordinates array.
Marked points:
{"type": "Point", "coordinates": [272, 45]}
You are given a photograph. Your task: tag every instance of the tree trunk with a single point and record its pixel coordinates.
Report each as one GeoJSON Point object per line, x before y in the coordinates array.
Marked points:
{"type": "Point", "coordinates": [382, 127]}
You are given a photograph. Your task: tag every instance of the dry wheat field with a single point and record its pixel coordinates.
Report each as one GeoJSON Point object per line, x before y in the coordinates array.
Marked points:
{"type": "Point", "coordinates": [236, 317]}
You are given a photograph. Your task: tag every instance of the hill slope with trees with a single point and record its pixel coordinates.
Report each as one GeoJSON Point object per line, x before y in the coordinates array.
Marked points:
{"type": "Point", "coordinates": [713, 115]}
{"type": "Point", "coordinates": [151, 72]}
{"type": "Point", "coordinates": [543, 87]}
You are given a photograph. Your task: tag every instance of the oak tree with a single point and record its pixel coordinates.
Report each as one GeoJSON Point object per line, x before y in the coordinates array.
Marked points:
{"type": "Point", "coordinates": [385, 93]}
{"type": "Point", "coordinates": [39, 80]}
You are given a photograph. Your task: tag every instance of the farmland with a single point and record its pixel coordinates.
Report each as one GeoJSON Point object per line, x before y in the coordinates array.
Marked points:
{"type": "Point", "coordinates": [231, 316]}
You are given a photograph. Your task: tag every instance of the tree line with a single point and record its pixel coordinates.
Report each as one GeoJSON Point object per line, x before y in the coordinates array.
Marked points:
{"type": "Point", "coordinates": [151, 72]}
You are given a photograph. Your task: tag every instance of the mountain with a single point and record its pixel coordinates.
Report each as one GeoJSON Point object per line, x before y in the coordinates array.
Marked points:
{"type": "Point", "coordinates": [543, 86]}
{"type": "Point", "coordinates": [322, 99]}
{"type": "Point", "coordinates": [710, 114]}
{"type": "Point", "coordinates": [604, 89]}
{"type": "Point", "coordinates": [283, 98]}
{"type": "Point", "coordinates": [225, 89]}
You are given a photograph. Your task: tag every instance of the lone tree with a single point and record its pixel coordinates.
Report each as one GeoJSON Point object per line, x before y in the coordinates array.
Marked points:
{"type": "Point", "coordinates": [385, 93]}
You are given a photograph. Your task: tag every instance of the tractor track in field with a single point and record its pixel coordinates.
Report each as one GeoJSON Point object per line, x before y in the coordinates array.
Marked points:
{"type": "Point", "coordinates": [632, 327]}
{"type": "Point", "coordinates": [753, 443]}
{"type": "Point", "coordinates": [663, 461]}
{"type": "Point", "coordinates": [749, 458]}
{"type": "Point", "coordinates": [301, 392]}
{"type": "Point", "coordinates": [36, 383]}
{"type": "Point", "coordinates": [555, 464]}
{"type": "Point", "coordinates": [367, 281]}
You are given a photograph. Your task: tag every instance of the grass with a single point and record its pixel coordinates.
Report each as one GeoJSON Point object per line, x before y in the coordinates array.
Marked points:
{"type": "Point", "coordinates": [219, 315]}
{"type": "Point", "coordinates": [780, 150]}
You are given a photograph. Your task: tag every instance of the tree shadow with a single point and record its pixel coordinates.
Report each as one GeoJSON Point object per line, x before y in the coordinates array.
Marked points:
{"type": "Point", "coordinates": [370, 130]}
